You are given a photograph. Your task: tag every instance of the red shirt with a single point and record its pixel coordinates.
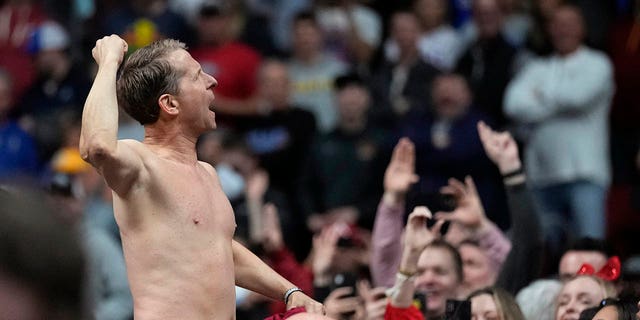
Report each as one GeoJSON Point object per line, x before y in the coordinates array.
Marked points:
{"type": "Point", "coordinates": [233, 64]}
{"type": "Point", "coordinates": [287, 314]}
{"type": "Point", "coordinates": [411, 313]}
{"type": "Point", "coordinates": [18, 21]}
{"type": "Point", "coordinates": [286, 265]}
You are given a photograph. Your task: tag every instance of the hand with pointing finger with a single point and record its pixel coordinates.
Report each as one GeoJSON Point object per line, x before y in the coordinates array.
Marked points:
{"type": "Point", "coordinates": [500, 147]}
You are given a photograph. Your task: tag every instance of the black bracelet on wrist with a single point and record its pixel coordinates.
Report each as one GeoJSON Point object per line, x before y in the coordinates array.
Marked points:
{"type": "Point", "coordinates": [513, 173]}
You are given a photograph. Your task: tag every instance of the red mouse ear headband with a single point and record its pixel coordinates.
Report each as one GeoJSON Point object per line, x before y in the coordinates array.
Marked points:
{"type": "Point", "coordinates": [610, 271]}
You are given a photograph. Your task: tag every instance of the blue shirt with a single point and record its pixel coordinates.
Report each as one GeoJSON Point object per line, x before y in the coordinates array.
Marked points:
{"type": "Point", "coordinates": [18, 154]}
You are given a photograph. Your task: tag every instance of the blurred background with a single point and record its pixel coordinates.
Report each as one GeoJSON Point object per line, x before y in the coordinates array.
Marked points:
{"type": "Point", "coordinates": [314, 94]}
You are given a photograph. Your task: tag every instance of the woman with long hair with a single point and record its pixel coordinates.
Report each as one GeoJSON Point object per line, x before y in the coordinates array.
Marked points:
{"type": "Point", "coordinates": [494, 303]}
{"type": "Point", "coordinates": [580, 293]}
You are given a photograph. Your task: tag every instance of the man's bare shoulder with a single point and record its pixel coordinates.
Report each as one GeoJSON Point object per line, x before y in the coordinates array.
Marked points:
{"type": "Point", "coordinates": [135, 145]}
{"type": "Point", "coordinates": [209, 168]}
{"type": "Point", "coordinates": [211, 171]}
{"type": "Point", "coordinates": [145, 153]}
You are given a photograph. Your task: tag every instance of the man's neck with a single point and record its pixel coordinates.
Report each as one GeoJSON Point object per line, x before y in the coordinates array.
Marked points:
{"type": "Point", "coordinates": [409, 57]}
{"type": "Point", "coordinates": [308, 58]}
{"type": "Point", "coordinates": [568, 53]}
{"type": "Point", "coordinates": [353, 127]}
{"type": "Point", "coordinates": [428, 28]}
{"type": "Point", "coordinates": [171, 143]}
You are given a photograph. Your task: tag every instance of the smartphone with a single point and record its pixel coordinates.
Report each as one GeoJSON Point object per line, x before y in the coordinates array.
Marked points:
{"type": "Point", "coordinates": [346, 242]}
{"type": "Point", "coordinates": [345, 280]}
{"type": "Point", "coordinates": [458, 310]}
{"type": "Point", "coordinates": [436, 202]}
{"type": "Point", "coordinates": [341, 280]}
{"type": "Point", "coordinates": [420, 301]}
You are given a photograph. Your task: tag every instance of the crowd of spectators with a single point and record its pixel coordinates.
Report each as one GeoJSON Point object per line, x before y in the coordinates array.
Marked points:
{"type": "Point", "coordinates": [511, 128]}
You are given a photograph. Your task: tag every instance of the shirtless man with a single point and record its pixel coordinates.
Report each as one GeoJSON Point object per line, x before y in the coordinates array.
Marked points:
{"type": "Point", "coordinates": [175, 221]}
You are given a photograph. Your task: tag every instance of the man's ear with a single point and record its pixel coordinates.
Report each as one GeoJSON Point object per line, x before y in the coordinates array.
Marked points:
{"type": "Point", "coordinates": [168, 104]}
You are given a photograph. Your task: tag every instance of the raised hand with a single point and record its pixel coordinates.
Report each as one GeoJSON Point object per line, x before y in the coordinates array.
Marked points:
{"type": "Point", "coordinates": [468, 212]}
{"type": "Point", "coordinates": [271, 231]}
{"type": "Point", "coordinates": [109, 49]}
{"type": "Point", "coordinates": [500, 147]}
{"type": "Point", "coordinates": [341, 301]}
{"type": "Point", "coordinates": [375, 301]}
{"type": "Point", "coordinates": [416, 235]}
{"type": "Point", "coordinates": [416, 238]}
{"type": "Point", "coordinates": [324, 250]}
{"type": "Point", "coordinates": [257, 185]}
{"type": "Point", "coordinates": [400, 173]}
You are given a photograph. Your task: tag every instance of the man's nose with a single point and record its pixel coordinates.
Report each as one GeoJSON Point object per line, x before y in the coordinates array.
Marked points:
{"type": "Point", "coordinates": [212, 81]}
{"type": "Point", "coordinates": [427, 278]}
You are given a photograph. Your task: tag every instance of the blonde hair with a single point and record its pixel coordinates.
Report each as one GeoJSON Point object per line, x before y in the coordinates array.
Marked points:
{"type": "Point", "coordinates": [506, 305]}
{"type": "Point", "coordinates": [607, 288]}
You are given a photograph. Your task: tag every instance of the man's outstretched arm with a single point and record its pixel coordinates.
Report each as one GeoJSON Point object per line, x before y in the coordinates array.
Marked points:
{"type": "Point", "coordinates": [255, 275]}
{"type": "Point", "coordinates": [98, 139]}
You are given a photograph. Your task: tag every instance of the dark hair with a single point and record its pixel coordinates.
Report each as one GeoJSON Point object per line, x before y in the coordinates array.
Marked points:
{"type": "Point", "coordinates": [588, 313]}
{"type": "Point", "coordinates": [42, 252]}
{"type": "Point", "coordinates": [505, 303]}
{"type": "Point", "coordinates": [348, 80]}
{"type": "Point", "coordinates": [448, 9]}
{"type": "Point", "coordinates": [590, 244]}
{"type": "Point", "coordinates": [404, 11]}
{"type": "Point", "coordinates": [305, 16]}
{"type": "Point", "coordinates": [452, 75]}
{"type": "Point", "coordinates": [455, 255]}
{"type": "Point", "coordinates": [145, 76]}
{"type": "Point", "coordinates": [625, 307]}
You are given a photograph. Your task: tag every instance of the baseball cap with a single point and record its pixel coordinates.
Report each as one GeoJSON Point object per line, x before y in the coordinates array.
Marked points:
{"type": "Point", "coordinates": [68, 161]}
{"type": "Point", "coordinates": [47, 36]}
{"type": "Point", "coordinates": [214, 8]}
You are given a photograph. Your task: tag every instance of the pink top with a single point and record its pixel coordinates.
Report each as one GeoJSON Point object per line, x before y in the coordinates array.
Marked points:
{"type": "Point", "coordinates": [387, 244]}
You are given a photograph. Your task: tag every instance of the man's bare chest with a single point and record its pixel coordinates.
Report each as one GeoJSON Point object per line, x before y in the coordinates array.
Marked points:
{"type": "Point", "coordinates": [194, 199]}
